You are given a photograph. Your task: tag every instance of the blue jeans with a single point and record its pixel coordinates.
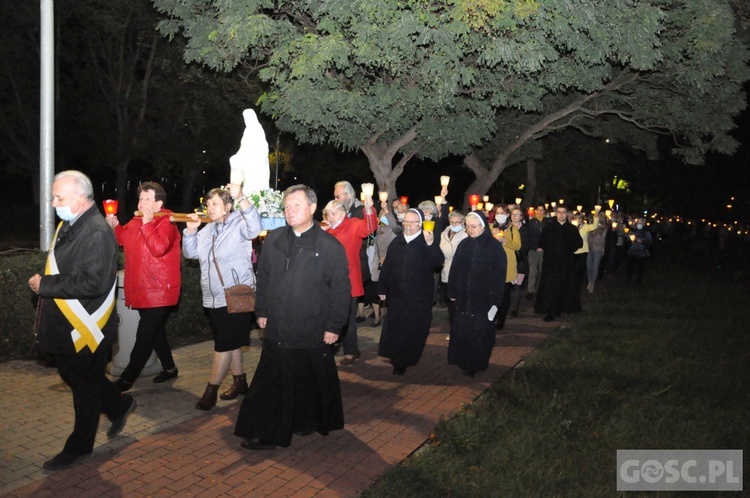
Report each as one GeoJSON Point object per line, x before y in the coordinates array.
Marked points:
{"type": "Point", "coordinates": [592, 266]}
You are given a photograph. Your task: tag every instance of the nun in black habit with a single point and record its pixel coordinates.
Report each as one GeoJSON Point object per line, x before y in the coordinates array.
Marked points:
{"type": "Point", "coordinates": [406, 281]}
{"type": "Point", "coordinates": [475, 284]}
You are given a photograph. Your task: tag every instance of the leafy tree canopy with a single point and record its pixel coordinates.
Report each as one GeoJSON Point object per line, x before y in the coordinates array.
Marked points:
{"type": "Point", "coordinates": [427, 78]}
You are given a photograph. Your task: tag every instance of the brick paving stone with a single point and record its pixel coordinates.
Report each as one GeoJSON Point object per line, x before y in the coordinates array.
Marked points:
{"type": "Point", "coordinates": [169, 448]}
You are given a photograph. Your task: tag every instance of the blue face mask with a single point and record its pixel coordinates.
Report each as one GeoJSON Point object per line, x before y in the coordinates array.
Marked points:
{"type": "Point", "coordinates": [65, 213]}
{"type": "Point", "coordinates": [384, 220]}
{"type": "Point", "coordinates": [456, 228]}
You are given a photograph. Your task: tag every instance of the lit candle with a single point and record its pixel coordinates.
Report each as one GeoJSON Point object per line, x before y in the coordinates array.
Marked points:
{"type": "Point", "coordinates": [110, 206]}
{"type": "Point", "coordinates": [579, 208]}
{"type": "Point", "coordinates": [608, 213]}
{"type": "Point", "coordinates": [474, 200]}
{"type": "Point", "coordinates": [362, 196]}
{"type": "Point", "coordinates": [438, 200]}
{"type": "Point", "coordinates": [480, 206]}
{"type": "Point", "coordinates": [444, 180]}
{"type": "Point", "coordinates": [368, 189]}
{"type": "Point", "coordinates": [488, 206]}
{"type": "Point", "coordinates": [486, 198]}
{"type": "Point", "coordinates": [518, 200]}
{"type": "Point", "coordinates": [611, 203]}
{"type": "Point", "coordinates": [597, 208]}
{"type": "Point", "coordinates": [562, 201]}
{"type": "Point", "coordinates": [404, 200]}
{"type": "Point", "coordinates": [383, 196]}
{"type": "Point", "coordinates": [553, 204]}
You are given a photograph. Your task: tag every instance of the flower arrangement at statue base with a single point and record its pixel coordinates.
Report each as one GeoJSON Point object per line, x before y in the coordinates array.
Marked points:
{"type": "Point", "coordinates": [270, 205]}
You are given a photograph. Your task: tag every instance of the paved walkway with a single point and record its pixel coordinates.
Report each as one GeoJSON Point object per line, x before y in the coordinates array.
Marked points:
{"type": "Point", "coordinates": [169, 448]}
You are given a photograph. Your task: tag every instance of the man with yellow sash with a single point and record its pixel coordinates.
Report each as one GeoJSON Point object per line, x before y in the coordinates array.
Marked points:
{"type": "Point", "coordinates": [77, 324]}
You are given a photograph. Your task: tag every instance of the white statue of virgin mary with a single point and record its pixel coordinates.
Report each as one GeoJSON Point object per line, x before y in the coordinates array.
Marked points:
{"type": "Point", "coordinates": [250, 163]}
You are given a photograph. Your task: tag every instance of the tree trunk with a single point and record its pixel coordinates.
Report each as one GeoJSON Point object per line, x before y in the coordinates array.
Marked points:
{"type": "Point", "coordinates": [380, 157]}
{"type": "Point", "coordinates": [530, 194]}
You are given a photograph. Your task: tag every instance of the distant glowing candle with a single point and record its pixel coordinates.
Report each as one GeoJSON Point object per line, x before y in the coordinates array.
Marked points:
{"type": "Point", "coordinates": [474, 200]}
{"type": "Point", "coordinates": [486, 198]}
{"type": "Point", "coordinates": [553, 204]}
{"type": "Point", "coordinates": [518, 200]}
{"type": "Point", "coordinates": [488, 206]}
{"type": "Point", "coordinates": [444, 180]}
{"type": "Point", "coordinates": [597, 208]}
{"type": "Point", "coordinates": [404, 199]}
{"type": "Point", "coordinates": [611, 203]}
{"type": "Point", "coordinates": [579, 208]}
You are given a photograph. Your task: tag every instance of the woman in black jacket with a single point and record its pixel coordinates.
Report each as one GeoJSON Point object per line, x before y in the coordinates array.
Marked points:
{"type": "Point", "coordinates": [406, 280]}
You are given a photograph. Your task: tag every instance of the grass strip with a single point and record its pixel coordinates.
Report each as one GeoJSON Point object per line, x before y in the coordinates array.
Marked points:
{"type": "Point", "coordinates": [662, 365]}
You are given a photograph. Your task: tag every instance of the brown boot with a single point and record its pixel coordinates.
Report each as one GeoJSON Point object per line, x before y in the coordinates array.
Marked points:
{"type": "Point", "coordinates": [239, 386]}
{"type": "Point", "coordinates": [208, 400]}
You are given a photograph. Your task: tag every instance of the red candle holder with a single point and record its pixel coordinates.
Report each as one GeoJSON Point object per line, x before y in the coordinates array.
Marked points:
{"type": "Point", "coordinates": [404, 199]}
{"type": "Point", "coordinates": [474, 200]}
{"type": "Point", "coordinates": [110, 206]}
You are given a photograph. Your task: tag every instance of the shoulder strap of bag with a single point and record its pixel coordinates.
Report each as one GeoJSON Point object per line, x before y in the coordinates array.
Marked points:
{"type": "Point", "coordinates": [213, 255]}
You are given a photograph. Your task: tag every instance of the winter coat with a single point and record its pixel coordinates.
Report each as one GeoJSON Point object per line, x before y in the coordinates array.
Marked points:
{"type": "Point", "coordinates": [152, 262]}
{"type": "Point", "coordinates": [86, 253]}
{"type": "Point", "coordinates": [233, 252]}
{"type": "Point", "coordinates": [303, 287]}
{"type": "Point", "coordinates": [449, 245]}
{"type": "Point", "coordinates": [350, 233]}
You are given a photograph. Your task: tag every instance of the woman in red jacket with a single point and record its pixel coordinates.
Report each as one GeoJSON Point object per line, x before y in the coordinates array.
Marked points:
{"type": "Point", "coordinates": [152, 280]}
{"type": "Point", "coordinates": [350, 232]}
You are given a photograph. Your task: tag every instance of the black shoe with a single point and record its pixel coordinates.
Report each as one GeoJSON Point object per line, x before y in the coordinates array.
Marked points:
{"type": "Point", "coordinates": [122, 385]}
{"type": "Point", "coordinates": [514, 313]}
{"type": "Point", "coordinates": [548, 318]}
{"type": "Point", "coordinates": [399, 371]}
{"type": "Point", "coordinates": [64, 460]}
{"type": "Point", "coordinates": [255, 444]}
{"type": "Point", "coordinates": [119, 422]}
{"type": "Point", "coordinates": [165, 376]}
{"type": "Point", "coordinates": [360, 319]}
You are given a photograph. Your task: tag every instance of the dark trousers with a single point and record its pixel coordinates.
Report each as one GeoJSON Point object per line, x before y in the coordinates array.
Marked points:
{"type": "Point", "coordinates": [349, 339]}
{"type": "Point", "coordinates": [93, 394]}
{"type": "Point", "coordinates": [636, 266]}
{"type": "Point", "coordinates": [151, 336]}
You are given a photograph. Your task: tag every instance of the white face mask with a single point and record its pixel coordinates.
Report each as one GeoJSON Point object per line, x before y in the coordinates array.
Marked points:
{"type": "Point", "coordinates": [456, 228]}
{"type": "Point", "coordinates": [502, 218]}
{"type": "Point", "coordinates": [639, 226]}
{"type": "Point", "coordinates": [400, 216]}
{"type": "Point", "coordinates": [65, 213]}
{"type": "Point", "coordinates": [427, 217]}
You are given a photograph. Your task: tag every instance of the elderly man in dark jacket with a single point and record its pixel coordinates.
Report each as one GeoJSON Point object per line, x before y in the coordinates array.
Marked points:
{"type": "Point", "coordinates": [302, 302]}
{"type": "Point", "coordinates": [77, 325]}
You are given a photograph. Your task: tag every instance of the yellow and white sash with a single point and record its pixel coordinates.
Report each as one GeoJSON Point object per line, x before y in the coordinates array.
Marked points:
{"type": "Point", "coordinates": [87, 328]}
